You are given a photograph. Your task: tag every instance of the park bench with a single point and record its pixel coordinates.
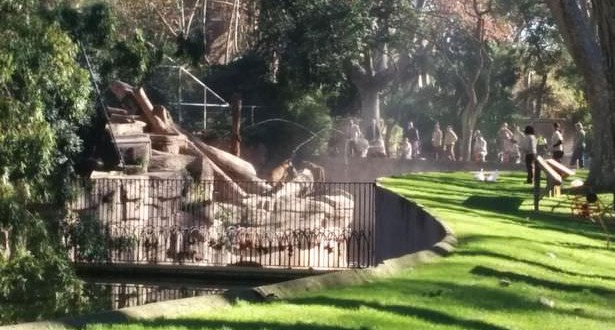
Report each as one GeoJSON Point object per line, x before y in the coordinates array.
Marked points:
{"type": "Point", "coordinates": [584, 202]}
{"type": "Point", "coordinates": [554, 174]}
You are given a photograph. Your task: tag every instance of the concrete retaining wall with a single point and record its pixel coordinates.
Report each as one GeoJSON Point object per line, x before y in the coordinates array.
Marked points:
{"type": "Point", "coordinates": [402, 226]}
{"type": "Point", "coordinates": [406, 236]}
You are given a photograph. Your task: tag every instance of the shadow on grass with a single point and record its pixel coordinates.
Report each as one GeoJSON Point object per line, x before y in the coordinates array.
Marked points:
{"type": "Point", "coordinates": [532, 263]}
{"type": "Point", "coordinates": [425, 314]}
{"type": "Point", "coordinates": [490, 272]}
{"type": "Point", "coordinates": [504, 207]}
{"type": "Point", "coordinates": [494, 203]}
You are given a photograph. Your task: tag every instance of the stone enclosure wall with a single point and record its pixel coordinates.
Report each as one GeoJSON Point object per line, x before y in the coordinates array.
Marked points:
{"type": "Point", "coordinates": [165, 220]}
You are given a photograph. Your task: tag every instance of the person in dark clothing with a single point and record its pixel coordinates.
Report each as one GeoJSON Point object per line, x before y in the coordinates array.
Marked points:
{"type": "Point", "coordinates": [529, 147]}
{"type": "Point", "coordinates": [578, 153]}
{"type": "Point", "coordinates": [412, 134]}
{"type": "Point", "coordinates": [557, 143]}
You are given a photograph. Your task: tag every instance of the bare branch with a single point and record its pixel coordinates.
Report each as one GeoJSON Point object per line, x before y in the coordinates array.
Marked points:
{"type": "Point", "coordinates": [187, 27]}
{"type": "Point", "coordinates": [164, 21]}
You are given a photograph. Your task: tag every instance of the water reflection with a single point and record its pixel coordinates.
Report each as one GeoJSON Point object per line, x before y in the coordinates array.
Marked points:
{"type": "Point", "coordinates": [99, 294]}
{"type": "Point", "coordinates": [111, 296]}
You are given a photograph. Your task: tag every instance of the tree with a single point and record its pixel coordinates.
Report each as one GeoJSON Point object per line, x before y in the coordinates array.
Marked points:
{"type": "Point", "coordinates": [588, 32]}
{"type": "Point", "coordinates": [44, 99]}
{"type": "Point", "coordinates": [324, 42]}
{"type": "Point", "coordinates": [207, 32]}
{"type": "Point", "coordinates": [462, 38]}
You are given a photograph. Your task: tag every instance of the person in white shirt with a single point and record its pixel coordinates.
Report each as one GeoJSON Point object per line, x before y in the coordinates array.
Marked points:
{"type": "Point", "coordinates": [505, 137]}
{"type": "Point", "coordinates": [449, 142]}
{"type": "Point", "coordinates": [405, 149]}
{"type": "Point", "coordinates": [436, 140]}
{"type": "Point", "coordinates": [529, 146]}
{"type": "Point", "coordinates": [479, 147]}
{"type": "Point", "coordinates": [354, 134]}
{"type": "Point", "coordinates": [557, 143]}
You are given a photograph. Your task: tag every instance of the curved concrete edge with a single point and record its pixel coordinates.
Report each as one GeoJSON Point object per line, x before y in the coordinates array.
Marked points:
{"type": "Point", "coordinates": [284, 290]}
{"type": "Point", "coordinates": [389, 267]}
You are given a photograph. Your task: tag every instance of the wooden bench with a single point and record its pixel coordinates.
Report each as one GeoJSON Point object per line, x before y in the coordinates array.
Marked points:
{"type": "Point", "coordinates": [560, 168]}
{"type": "Point", "coordinates": [554, 179]}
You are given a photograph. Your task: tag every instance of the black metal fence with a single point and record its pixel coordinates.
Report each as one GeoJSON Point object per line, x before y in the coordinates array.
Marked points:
{"type": "Point", "coordinates": [216, 223]}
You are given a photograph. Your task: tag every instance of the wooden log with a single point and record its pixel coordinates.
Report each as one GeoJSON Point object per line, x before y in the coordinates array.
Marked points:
{"type": "Point", "coordinates": [560, 168]}
{"type": "Point", "coordinates": [121, 89]}
{"type": "Point", "coordinates": [232, 191]}
{"type": "Point", "coordinates": [236, 166]}
{"type": "Point", "coordinates": [162, 113]}
{"type": "Point", "coordinates": [147, 110]}
{"type": "Point", "coordinates": [164, 161]}
{"type": "Point", "coordinates": [117, 111]}
{"type": "Point", "coordinates": [551, 173]}
{"type": "Point", "coordinates": [236, 169]}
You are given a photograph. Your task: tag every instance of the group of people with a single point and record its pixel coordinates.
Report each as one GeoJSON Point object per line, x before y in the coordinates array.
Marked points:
{"type": "Point", "coordinates": [512, 144]}
{"type": "Point", "coordinates": [443, 143]}
{"type": "Point", "coordinates": [530, 145]}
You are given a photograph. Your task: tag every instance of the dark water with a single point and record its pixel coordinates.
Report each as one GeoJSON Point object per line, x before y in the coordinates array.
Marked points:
{"type": "Point", "coordinates": [112, 293]}
{"type": "Point", "coordinates": [101, 294]}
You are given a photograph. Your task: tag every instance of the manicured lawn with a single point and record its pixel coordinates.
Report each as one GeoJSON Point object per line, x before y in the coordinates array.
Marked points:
{"type": "Point", "coordinates": [507, 261]}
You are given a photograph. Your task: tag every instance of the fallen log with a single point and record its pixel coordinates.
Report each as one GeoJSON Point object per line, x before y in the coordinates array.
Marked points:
{"type": "Point", "coordinates": [232, 191]}
{"type": "Point", "coordinates": [241, 172]}
{"type": "Point", "coordinates": [147, 110]}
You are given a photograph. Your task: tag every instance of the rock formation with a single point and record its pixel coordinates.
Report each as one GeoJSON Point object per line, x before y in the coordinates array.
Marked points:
{"type": "Point", "coordinates": [179, 199]}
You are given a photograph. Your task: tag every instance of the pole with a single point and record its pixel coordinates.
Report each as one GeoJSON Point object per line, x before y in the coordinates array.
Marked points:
{"type": "Point", "coordinates": [236, 113]}
{"type": "Point", "coordinates": [537, 174]}
{"type": "Point", "coordinates": [179, 95]}
{"type": "Point", "coordinates": [102, 107]}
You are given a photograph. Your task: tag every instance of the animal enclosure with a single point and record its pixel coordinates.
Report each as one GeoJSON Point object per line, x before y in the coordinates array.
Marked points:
{"type": "Point", "coordinates": [148, 220]}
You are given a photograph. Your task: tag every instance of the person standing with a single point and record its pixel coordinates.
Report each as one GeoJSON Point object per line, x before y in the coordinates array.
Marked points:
{"type": "Point", "coordinates": [557, 143]}
{"type": "Point", "coordinates": [542, 149]}
{"type": "Point", "coordinates": [436, 141]}
{"type": "Point", "coordinates": [449, 142]}
{"type": "Point", "coordinates": [479, 147]}
{"type": "Point", "coordinates": [405, 149]}
{"type": "Point", "coordinates": [578, 153]}
{"type": "Point", "coordinates": [505, 137]}
{"type": "Point", "coordinates": [412, 134]}
{"type": "Point", "coordinates": [354, 134]}
{"type": "Point", "coordinates": [529, 147]}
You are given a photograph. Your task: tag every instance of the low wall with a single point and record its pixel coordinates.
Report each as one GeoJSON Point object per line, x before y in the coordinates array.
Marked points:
{"type": "Point", "coordinates": [406, 236]}
{"type": "Point", "coordinates": [403, 227]}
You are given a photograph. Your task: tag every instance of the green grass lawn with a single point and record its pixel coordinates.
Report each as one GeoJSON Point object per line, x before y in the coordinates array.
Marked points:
{"type": "Point", "coordinates": [507, 261]}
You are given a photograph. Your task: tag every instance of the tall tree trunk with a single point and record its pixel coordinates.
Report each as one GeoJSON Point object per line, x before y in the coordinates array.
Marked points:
{"type": "Point", "coordinates": [469, 117]}
{"type": "Point", "coordinates": [542, 90]}
{"type": "Point", "coordinates": [597, 68]}
{"type": "Point", "coordinates": [370, 101]}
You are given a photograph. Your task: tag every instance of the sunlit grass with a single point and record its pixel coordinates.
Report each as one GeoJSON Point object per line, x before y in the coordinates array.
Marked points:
{"type": "Point", "coordinates": [508, 260]}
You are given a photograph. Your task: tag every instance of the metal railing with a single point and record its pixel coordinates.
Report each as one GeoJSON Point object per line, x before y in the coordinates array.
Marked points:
{"type": "Point", "coordinates": [319, 225]}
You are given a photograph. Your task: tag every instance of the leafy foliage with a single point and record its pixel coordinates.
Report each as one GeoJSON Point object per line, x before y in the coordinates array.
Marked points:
{"type": "Point", "coordinates": [35, 274]}
{"type": "Point", "coordinates": [311, 40]}
{"type": "Point", "coordinates": [124, 57]}
{"type": "Point", "coordinates": [44, 100]}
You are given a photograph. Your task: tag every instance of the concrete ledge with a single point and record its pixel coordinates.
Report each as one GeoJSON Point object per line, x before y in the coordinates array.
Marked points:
{"type": "Point", "coordinates": [196, 272]}
{"type": "Point", "coordinates": [389, 267]}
